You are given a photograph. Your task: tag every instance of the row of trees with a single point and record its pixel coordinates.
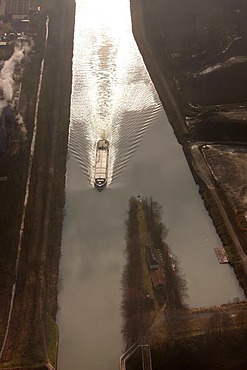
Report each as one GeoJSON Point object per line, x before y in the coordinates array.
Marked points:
{"type": "Point", "coordinates": [222, 342]}
{"type": "Point", "coordinates": [133, 297]}
{"type": "Point", "coordinates": [218, 348]}
{"type": "Point", "coordinates": [176, 286]}
{"type": "Point", "coordinates": [136, 305]}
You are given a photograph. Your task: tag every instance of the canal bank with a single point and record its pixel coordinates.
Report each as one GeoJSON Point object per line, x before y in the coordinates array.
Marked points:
{"type": "Point", "coordinates": [153, 311]}
{"type": "Point", "coordinates": [231, 231]}
{"type": "Point", "coordinates": [30, 336]}
{"type": "Point", "coordinates": [108, 71]}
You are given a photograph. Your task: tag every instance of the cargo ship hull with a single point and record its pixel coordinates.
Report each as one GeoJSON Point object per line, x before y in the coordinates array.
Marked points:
{"type": "Point", "coordinates": [101, 164]}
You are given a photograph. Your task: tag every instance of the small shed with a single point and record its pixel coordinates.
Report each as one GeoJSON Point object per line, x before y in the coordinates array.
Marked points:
{"type": "Point", "coordinates": [221, 255]}
{"type": "Point", "coordinates": [151, 257]}
{"type": "Point", "coordinates": [158, 279]}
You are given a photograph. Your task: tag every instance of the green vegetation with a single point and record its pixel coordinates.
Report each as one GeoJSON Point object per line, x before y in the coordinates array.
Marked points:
{"type": "Point", "coordinates": [51, 335]}
{"type": "Point", "coordinates": [202, 105]}
{"type": "Point", "coordinates": [217, 348]}
{"type": "Point", "coordinates": [39, 261]}
{"type": "Point", "coordinates": [176, 290]}
{"type": "Point", "coordinates": [144, 240]}
{"type": "Point", "coordinates": [31, 356]}
{"type": "Point", "coordinates": [142, 303]}
{"type": "Point", "coordinates": [180, 338]}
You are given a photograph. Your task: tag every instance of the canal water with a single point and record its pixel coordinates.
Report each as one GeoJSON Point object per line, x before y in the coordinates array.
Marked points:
{"type": "Point", "coordinates": [114, 98]}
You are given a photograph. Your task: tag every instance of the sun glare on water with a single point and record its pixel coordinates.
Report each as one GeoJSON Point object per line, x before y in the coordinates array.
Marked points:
{"type": "Point", "coordinates": [102, 14]}
{"type": "Point", "coordinates": [111, 89]}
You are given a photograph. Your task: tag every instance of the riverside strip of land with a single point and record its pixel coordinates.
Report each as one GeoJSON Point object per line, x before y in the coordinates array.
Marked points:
{"type": "Point", "coordinates": [32, 221]}
{"type": "Point", "coordinates": [197, 58]}
{"type": "Point", "coordinates": [153, 304]}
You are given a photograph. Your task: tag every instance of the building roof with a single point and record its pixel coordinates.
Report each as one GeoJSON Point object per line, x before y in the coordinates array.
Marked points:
{"type": "Point", "coordinates": [158, 279]}
{"type": "Point", "coordinates": [151, 256]}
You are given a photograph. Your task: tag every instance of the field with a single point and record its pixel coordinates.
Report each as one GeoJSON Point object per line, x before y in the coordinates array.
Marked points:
{"type": "Point", "coordinates": [31, 338]}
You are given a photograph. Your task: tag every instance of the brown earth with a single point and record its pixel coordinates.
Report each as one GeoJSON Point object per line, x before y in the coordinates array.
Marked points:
{"type": "Point", "coordinates": [228, 166]}
{"type": "Point", "coordinates": [27, 343]}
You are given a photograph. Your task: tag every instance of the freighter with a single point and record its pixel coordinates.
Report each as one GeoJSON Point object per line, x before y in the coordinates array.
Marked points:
{"type": "Point", "coordinates": [101, 164]}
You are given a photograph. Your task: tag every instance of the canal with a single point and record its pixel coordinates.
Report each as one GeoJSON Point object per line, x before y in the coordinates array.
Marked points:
{"type": "Point", "coordinates": [114, 98]}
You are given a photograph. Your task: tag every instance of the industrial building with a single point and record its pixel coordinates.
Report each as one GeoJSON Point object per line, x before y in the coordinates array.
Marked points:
{"type": "Point", "coordinates": [158, 279]}
{"type": "Point", "coordinates": [15, 7]}
{"type": "Point", "coordinates": [155, 270]}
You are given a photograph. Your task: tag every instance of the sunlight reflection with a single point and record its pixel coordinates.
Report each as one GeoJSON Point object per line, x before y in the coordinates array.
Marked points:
{"type": "Point", "coordinates": [98, 14]}
{"type": "Point", "coordinates": [111, 88]}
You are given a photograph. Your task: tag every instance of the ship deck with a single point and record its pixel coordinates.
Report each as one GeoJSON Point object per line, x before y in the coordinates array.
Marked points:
{"type": "Point", "coordinates": [101, 164]}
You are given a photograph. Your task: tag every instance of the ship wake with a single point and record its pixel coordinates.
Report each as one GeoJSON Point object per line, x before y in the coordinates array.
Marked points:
{"type": "Point", "coordinates": [113, 97]}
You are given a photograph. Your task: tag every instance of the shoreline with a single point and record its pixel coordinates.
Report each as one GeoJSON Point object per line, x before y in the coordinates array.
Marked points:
{"type": "Point", "coordinates": [172, 103]}
{"type": "Point", "coordinates": [32, 336]}
{"type": "Point", "coordinates": [154, 313]}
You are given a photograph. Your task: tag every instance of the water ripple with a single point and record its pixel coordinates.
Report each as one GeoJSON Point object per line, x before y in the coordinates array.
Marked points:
{"type": "Point", "coordinates": [112, 94]}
